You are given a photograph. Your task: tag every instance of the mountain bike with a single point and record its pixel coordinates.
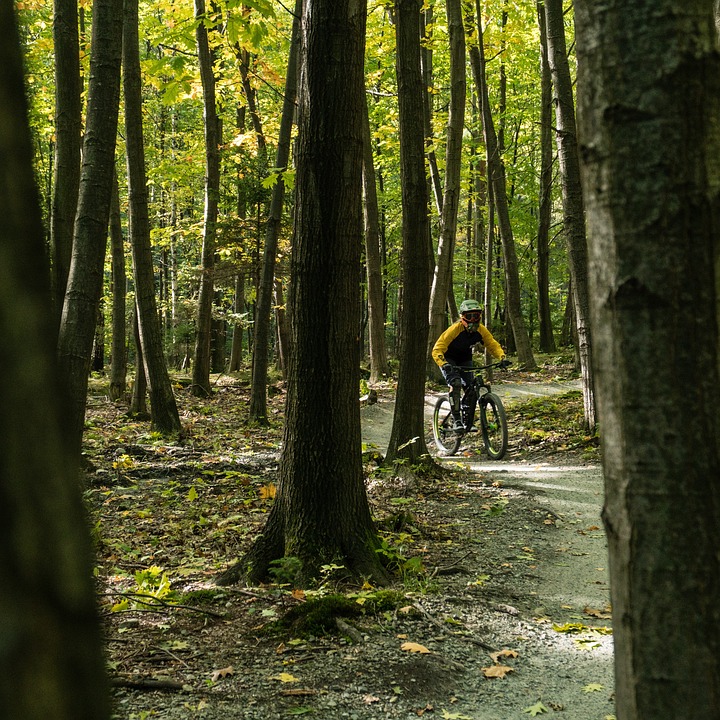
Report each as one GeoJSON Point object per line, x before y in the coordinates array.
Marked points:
{"type": "Point", "coordinates": [492, 418]}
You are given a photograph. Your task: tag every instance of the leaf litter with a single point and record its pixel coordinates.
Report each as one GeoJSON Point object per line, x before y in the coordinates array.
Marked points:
{"type": "Point", "coordinates": [167, 517]}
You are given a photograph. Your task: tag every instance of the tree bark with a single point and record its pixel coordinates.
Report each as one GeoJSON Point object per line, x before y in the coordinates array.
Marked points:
{"type": "Point", "coordinates": [51, 663]}
{"type": "Point", "coordinates": [85, 281]}
{"type": "Point", "coordinates": [201, 361]}
{"type": "Point", "coordinates": [442, 279]}
{"type": "Point", "coordinates": [258, 396]}
{"type": "Point", "coordinates": [497, 178]}
{"type": "Point", "coordinates": [321, 513]}
{"type": "Point", "coordinates": [379, 367]}
{"type": "Point", "coordinates": [163, 409]}
{"type": "Point", "coordinates": [118, 360]}
{"type": "Point", "coordinates": [573, 206]}
{"type": "Point", "coordinates": [407, 438]}
{"type": "Point", "coordinates": [68, 143]}
{"type": "Point", "coordinates": [648, 103]}
{"type": "Point", "coordinates": [545, 329]}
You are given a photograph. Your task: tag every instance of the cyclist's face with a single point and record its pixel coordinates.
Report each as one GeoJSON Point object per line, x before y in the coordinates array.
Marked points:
{"type": "Point", "coordinates": [472, 319]}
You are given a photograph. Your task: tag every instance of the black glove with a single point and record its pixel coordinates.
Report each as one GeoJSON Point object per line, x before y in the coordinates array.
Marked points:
{"type": "Point", "coordinates": [446, 368]}
{"type": "Point", "coordinates": [504, 363]}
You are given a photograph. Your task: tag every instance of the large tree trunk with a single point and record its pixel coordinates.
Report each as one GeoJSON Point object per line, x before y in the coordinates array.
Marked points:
{"type": "Point", "coordinates": [51, 663]}
{"type": "Point", "coordinates": [407, 438]}
{"type": "Point", "coordinates": [379, 367]}
{"type": "Point", "coordinates": [258, 396]}
{"type": "Point", "coordinates": [211, 122]}
{"type": "Point", "coordinates": [573, 206]}
{"type": "Point", "coordinates": [321, 513]}
{"type": "Point", "coordinates": [545, 330]}
{"type": "Point", "coordinates": [650, 140]}
{"type": "Point", "coordinates": [85, 282]}
{"type": "Point", "coordinates": [163, 409]}
{"type": "Point", "coordinates": [496, 171]}
{"type": "Point", "coordinates": [442, 280]}
{"type": "Point", "coordinates": [68, 142]}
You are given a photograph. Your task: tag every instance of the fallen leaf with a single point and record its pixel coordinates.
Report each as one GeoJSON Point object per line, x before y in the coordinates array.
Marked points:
{"type": "Point", "coordinates": [505, 652]}
{"type": "Point", "coordinates": [268, 492]}
{"type": "Point", "coordinates": [496, 671]}
{"type": "Point", "coordinates": [536, 709]}
{"type": "Point", "coordinates": [223, 673]}
{"type": "Point", "coordinates": [298, 594]}
{"type": "Point", "coordinates": [593, 687]}
{"type": "Point", "coordinates": [285, 677]}
{"type": "Point", "coordinates": [370, 699]}
{"type": "Point", "coordinates": [414, 647]}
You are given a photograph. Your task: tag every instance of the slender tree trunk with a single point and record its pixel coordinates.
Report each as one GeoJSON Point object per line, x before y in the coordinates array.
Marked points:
{"type": "Point", "coordinates": [442, 279]}
{"type": "Point", "coordinates": [163, 409]}
{"type": "Point", "coordinates": [573, 206]}
{"type": "Point", "coordinates": [118, 362]}
{"type": "Point", "coordinates": [650, 138]}
{"type": "Point", "coordinates": [407, 438]}
{"type": "Point", "coordinates": [321, 513]}
{"type": "Point", "coordinates": [379, 367]}
{"type": "Point", "coordinates": [258, 396]}
{"type": "Point", "coordinates": [51, 662]}
{"type": "Point", "coordinates": [85, 281]}
{"type": "Point", "coordinates": [547, 339]}
{"type": "Point", "coordinates": [426, 63]}
{"type": "Point", "coordinates": [283, 332]}
{"type": "Point", "coordinates": [138, 402]}
{"type": "Point", "coordinates": [239, 309]}
{"type": "Point", "coordinates": [497, 178]}
{"type": "Point", "coordinates": [211, 122]}
{"type": "Point", "coordinates": [68, 142]}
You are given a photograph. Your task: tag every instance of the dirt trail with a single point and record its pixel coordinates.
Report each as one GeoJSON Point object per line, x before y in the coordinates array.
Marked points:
{"type": "Point", "coordinates": [568, 584]}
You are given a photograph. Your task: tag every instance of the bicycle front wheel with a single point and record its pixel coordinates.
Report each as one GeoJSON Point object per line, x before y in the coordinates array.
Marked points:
{"type": "Point", "coordinates": [494, 425]}
{"type": "Point", "coordinates": [446, 439]}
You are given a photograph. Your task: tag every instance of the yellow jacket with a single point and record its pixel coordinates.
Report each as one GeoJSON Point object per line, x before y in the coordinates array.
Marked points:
{"type": "Point", "coordinates": [455, 345]}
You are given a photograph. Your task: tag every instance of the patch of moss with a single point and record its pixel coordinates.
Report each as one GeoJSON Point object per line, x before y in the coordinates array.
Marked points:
{"type": "Point", "coordinates": [316, 616]}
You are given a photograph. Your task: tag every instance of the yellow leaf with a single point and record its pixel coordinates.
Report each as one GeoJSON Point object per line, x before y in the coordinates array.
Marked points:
{"type": "Point", "coordinates": [414, 647]}
{"type": "Point", "coordinates": [503, 653]}
{"type": "Point", "coordinates": [223, 673]}
{"type": "Point", "coordinates": [268, 492]}
{"type": "Point", "coordinates": [496, 671]}
{"type": "Point", "coordinates": [285, 677]}
{"type": "Point", "coordinates": [593, 687]}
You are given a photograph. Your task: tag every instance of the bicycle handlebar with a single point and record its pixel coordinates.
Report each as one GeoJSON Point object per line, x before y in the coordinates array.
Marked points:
{"type": "Point", "coordinates": [476, 368]}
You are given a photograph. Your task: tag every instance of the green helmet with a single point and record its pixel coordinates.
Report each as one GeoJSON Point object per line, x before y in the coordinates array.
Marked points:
{"type": "Point", "coordinates": [468, 305]}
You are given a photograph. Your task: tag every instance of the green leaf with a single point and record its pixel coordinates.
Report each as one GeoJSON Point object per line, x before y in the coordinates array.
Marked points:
{"type": "Point", "coordinates": [192, 494]}
{"type": "Point", "coordinates": [536, 709]}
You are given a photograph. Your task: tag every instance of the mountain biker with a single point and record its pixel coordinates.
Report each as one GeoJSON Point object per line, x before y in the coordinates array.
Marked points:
{"type": "Point", "coordinates": [453, 351]}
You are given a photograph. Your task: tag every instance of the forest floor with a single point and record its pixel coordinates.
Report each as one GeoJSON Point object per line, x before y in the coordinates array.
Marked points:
{"type": "Point", "coordinates": [500, 608]}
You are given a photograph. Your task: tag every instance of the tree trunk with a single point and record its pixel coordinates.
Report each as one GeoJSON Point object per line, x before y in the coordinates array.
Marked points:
{"type": "Point", "coordinates": [258, 396]}
{"type": "Point", "coordinates": [238, 308]}
{"type": "Point", "coordinates": [51, 662]}
{"type": "Point", "coordinates": [649, 142]}
{"type": "Point", "coordinates": [442, 280]}
{"type": "Point", "coordinates": [211, 123]}
{"type": "Point", "coordinates": [497, 178]}
{"type": "Point", "coordinates": [573, 206]}
{"type": "Point", "coordinates": [138, 402]}
{"type": "Point", "coordinates": [68, 142]}
{"type": "Point", "coordinates": [163, 409]}
{"type": "Point", "coordinates": [85, 281]}
{"type": "Point", "coordinates": [118, 361]}
{"type": "Point", "coordinates": [283, 339]}
{"type": "Point", "coordinates": [379, 367]}
{"type": "Point", "coordinates": [427, 14]}
{"type": "Point", "coordinates": [547, 339]}
{"type": "Point", "coordinates": [407, 438]}
{"type": "Point", "coordinates": [321, 513]}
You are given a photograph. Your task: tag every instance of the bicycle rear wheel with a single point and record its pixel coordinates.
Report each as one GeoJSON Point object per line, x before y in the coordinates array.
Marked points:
{"type": "Point", "coordinates": [446, 439]}
{"type": "Point", "coordinates": [494, 425]}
